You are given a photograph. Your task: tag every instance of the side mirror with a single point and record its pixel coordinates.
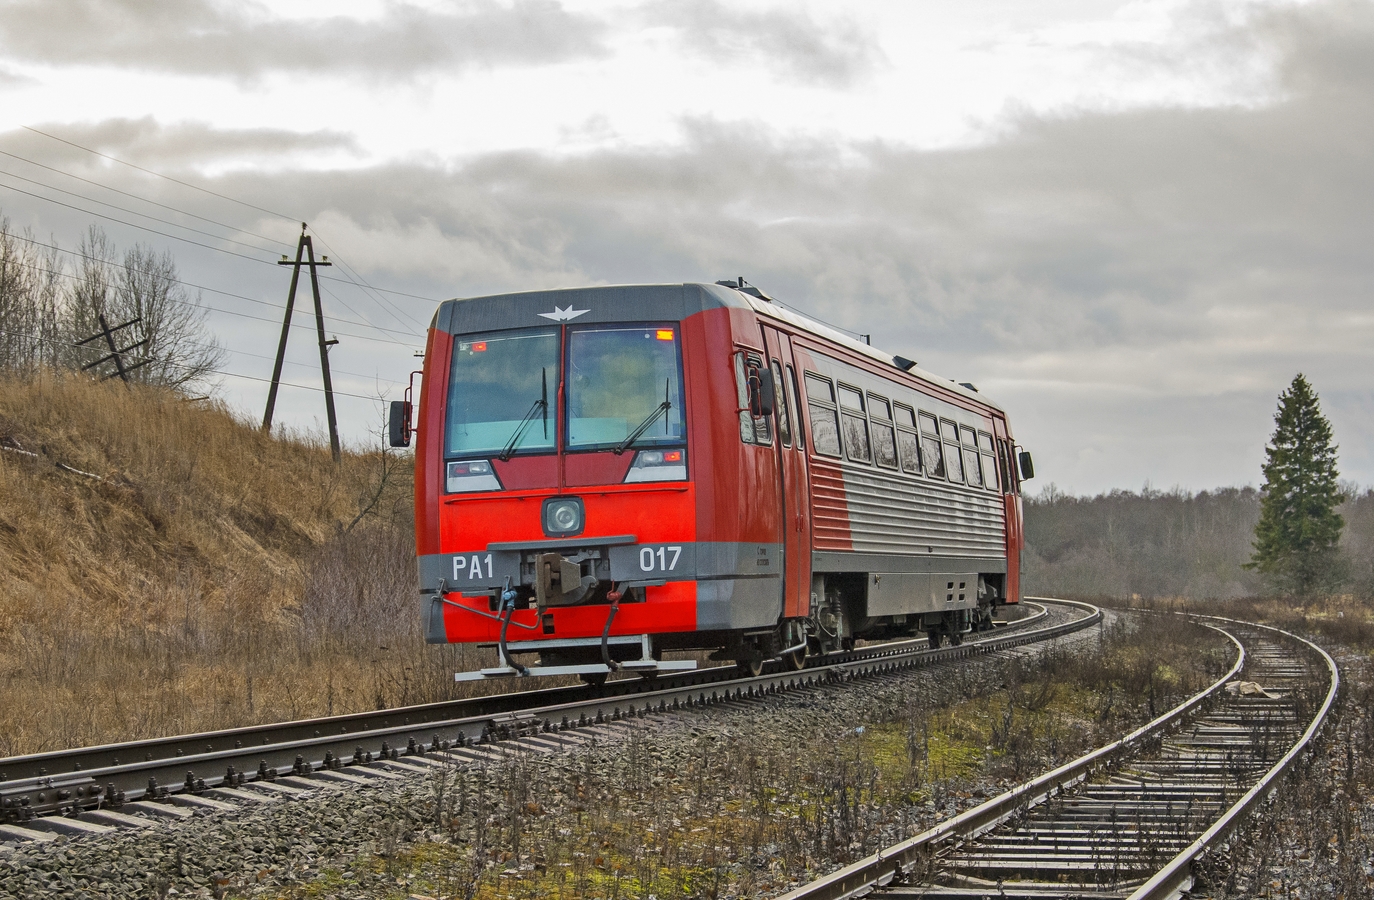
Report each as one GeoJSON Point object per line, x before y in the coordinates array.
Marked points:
{"type": "Point", "coordinates": [398, 423]}
{"type": "Point", "coordinates": [760, 392]}
{"type": "Point", "coordinates": [1023, 459]}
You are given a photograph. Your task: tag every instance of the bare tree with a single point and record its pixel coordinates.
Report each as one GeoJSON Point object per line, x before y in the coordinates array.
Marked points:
{"type": "Point", "coordinates": [173, 325]}
{"type": "Point", "coordinates": [143, 286]}
{"type": "Point", "coordinates": [30, 302]}
{"type": "Point", "coordinates": [90, 297]}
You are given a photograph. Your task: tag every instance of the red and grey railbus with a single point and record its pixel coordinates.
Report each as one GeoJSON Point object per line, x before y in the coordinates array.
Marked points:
{"type": "Point", "coordinates": [606, 474]}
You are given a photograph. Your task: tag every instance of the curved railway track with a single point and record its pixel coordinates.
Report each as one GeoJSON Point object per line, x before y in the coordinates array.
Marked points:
{"type": "Point", "coordinates": [93, 789]}
{"type": "Point", "coordinates": [1127, 820]}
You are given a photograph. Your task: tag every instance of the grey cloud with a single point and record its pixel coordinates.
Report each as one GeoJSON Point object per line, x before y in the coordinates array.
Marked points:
{"type": "Point", "coordinates": [181, 146]}
{"type": "Point", "coordinates": [204, 37]}
{"type": "Point", "coordinates": [835, 54]}
{"type": "Point", "coordinates": [10, 79]}
{"type": "Point", "coordinates": [1135, 287]}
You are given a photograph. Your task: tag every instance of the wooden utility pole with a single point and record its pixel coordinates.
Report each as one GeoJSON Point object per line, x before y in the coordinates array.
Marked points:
{"type": "Point", "coordinates": [305, 249]}
{"type": "Point", "coordinates": [116, 354]}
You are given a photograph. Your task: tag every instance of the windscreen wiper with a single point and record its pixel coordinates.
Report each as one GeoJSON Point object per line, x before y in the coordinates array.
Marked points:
{"type": "Point", "coordinates": [644, 426]}
{"type": "Point", "coordinates": [540, 405]}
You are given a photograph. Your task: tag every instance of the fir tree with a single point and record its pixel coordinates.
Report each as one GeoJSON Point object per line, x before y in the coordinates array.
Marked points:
{"type": "Point", "coordinates": [1298, 530]}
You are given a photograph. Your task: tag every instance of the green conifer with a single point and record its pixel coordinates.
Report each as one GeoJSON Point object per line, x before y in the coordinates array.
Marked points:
{"type": "Point", "coordinates": [1298, 530]}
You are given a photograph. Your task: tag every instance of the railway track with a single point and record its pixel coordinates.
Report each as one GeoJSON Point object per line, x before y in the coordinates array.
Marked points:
{"type": "Point", "coordinates": [91, 790]}
{"type": "Point", "coordinates": [1127, 820]}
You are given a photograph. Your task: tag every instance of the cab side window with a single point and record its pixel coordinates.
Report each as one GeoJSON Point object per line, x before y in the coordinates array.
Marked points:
{"type": "Point", "coordinates": [752, 429]}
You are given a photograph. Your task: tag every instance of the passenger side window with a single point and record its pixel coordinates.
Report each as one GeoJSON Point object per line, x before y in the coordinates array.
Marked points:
{"type": "Point", "coordinates": [853, 425]}
{"type": "Point", "coordinates": [782, 407]}
{"type": "Point", "coordinates": [930, 447]}
{"type": "Point", "coordinates": [752, 429]}
{"type": "Point", "coordinates": [985, 448]}
{"type": "Point", "coordinates": [820, 409]}
{"type": "Point", "coordinates": [908, 444]}
{"type": "Point", "coordinates": [973, 468]}
{"type": "Point", "coordinates": [954, 465]}
{"type": "Point", "coordinates": [884, 438]}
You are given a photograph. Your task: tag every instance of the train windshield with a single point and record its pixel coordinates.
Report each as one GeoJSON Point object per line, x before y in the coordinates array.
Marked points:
{"type": "Point", "coordinates": [624, 387]}
{"type": "Point", "coordinates": [503, 392]}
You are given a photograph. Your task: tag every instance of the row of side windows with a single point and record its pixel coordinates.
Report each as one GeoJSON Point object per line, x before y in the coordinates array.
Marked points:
{"type": "Point", "coordinates": [863, 427]}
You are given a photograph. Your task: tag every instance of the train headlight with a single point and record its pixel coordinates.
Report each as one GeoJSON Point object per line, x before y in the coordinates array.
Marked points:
{"type": "Point", "coordinates": [563, 516]}
{"type": "Point", "coordinates": [658, 465]}
{"type": "Point", "coordinates": [466, 476]}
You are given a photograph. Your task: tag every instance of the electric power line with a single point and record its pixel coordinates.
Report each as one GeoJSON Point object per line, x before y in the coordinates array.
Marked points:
{"type": "Point", "coordinates": [388, 308]}
{"type": "Point", "coordinates": [211, 290]}
{"type": "Point", "coordinates": [304, 387]}
{"type": "Point", "coordinates": [142, 199]}
{"type": "Point", "coordinates": [132, 211]}
{"type": "Point", "coordinates": [160, 175]}
{"type": "Point", "coordinates": [205, 191]}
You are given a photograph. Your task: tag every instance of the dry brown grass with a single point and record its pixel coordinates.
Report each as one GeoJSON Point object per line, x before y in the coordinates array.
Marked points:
{"type": "Point", "coordinates": [212, 576]}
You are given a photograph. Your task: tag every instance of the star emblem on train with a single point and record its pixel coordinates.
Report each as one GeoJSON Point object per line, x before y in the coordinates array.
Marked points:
{"type": "Point", "coordinates": [563, 315]}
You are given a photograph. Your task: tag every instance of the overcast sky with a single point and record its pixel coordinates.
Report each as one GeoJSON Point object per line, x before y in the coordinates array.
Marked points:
{"type": "Point", "coordinates": [1129, 223]}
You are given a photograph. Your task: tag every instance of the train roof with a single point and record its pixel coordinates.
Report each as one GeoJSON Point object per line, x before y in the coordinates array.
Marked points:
{"type": "Point", "coordinates": [629, 302]}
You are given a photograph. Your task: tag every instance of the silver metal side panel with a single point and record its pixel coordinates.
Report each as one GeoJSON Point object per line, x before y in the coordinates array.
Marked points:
{"type": "Point", "coordinates": [904, 593]}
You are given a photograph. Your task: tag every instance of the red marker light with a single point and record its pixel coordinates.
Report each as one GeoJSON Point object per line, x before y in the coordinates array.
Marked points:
{"type": "Point", "coordinates": [673, 456]}
{"type": "Point", "coordinates": [664, 334]}
{"type": "Point", "coordinates": [479, 347]}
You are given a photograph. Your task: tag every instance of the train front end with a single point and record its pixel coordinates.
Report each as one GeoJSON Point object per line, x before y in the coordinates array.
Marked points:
{"type": "Point", "coordinates": [556, 504]}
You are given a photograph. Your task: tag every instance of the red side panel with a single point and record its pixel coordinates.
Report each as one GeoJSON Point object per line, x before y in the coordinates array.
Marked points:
{"type": "Point", "coordinates": [1015, 541]}
{"type": "Point", "coordinates": [1011, 505]}
{"type": "Point", "coordinates": [737, 483]}
{"type": "Point", "coordinates": [429, 436]}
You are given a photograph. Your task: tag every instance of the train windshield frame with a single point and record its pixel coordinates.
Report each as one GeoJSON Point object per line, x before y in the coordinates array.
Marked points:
{"type": "Point", "coordinates": [621, 378]}
{"type": "Point", "coordinates": [502, 393]}
{"type": "Point", "coordinates": [624, 387]}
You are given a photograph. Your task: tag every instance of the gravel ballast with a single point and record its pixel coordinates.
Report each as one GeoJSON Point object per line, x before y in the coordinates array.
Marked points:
{"type": "Point", "coordinates": [738, 799]}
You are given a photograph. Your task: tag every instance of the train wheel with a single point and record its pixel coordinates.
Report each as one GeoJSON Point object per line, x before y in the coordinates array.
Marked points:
{"type": "Point", "coordinates": [935, 638]}
{"type": "Point", "coordinates": [595, 679]}
{"type": "Point", "coordinates": [752, 667]}
{"type": "Point", "coordinates": [793, 634]}
{"type": "Point", "coordinates": [956, 638]}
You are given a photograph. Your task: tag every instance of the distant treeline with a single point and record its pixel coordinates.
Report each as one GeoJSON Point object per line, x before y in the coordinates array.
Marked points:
{"type": "Point", "coordinates": [1167, 543]}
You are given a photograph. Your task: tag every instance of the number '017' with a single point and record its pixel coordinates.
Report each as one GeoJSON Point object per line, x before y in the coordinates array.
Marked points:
{"type": "Point", "coordinates": [664, 559]}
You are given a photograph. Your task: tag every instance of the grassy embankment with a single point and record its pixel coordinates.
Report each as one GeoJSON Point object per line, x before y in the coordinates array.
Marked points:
{"type": "Point", "coordinates": [210, 576]}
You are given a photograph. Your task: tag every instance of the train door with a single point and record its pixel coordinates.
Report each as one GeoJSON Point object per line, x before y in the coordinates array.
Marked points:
{"type": "Point", "coordinates": [1011, 507]}
{"type": "Point", "coordinates": [794, 488]}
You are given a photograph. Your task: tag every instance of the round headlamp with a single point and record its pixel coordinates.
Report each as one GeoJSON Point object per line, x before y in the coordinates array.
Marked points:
{"type": "Point", "coordinates": [563, 516]}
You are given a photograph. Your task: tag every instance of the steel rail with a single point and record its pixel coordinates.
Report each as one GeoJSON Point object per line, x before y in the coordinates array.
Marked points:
{"type": "Point", "coordinates": [158, 777]}
{"type": "Point", "coordinates": [1171, 881]}
{"type": "Point", "coordinates": [85, 759]}
{"type": "Point", "coordinates": [1177, 876]}
{"type": "Point", "coordinates": [879, 869]}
